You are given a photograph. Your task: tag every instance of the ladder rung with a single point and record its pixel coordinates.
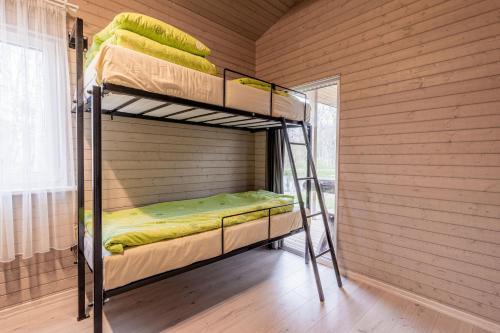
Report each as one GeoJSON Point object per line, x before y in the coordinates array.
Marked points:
{"type": "Point", "coordinates": [297, 143]}
{"type": "Point", "coordinates": [315, 214]}
{"type": "Point", "coordinates": [323, 253]}
{"type": "Point", "coordinates": [305, 178]}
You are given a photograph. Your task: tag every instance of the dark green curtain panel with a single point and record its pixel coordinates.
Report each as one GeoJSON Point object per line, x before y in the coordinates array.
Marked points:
{"type": "Point", "coordinates": [277, 144]}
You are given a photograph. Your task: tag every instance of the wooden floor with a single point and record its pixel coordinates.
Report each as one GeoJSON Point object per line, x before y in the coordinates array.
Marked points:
{"type": "Point", "coordinates": [261, 291]}
{"type": "Point", "coordinates": [297, 242]}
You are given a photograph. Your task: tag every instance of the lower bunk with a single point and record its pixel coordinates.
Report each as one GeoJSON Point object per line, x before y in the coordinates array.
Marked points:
{"type": "Point", "coordinates": [196, 231]}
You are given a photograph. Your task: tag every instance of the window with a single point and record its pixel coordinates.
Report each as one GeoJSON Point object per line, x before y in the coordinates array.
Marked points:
{"type": "Point", "coordinates": [36, 155]}
{"type": "Point", "coordinates": [323, 98]}
{"type": "Point", "coordinates": [34, 149]}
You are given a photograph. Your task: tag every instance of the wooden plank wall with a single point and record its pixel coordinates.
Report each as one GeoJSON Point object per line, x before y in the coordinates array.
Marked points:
{"type": "Point", "coordinates": [149, 161]}
{"type": "Point", "coordinates": [420, 136]}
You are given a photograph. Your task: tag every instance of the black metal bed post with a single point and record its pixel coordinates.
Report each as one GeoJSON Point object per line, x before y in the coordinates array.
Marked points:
{"type": "Point", "coordinates": [270, 155]}
{"type": "Point", "coordinates": [270, 144]}
{"type": "Point", "coordinates": [97, 209]}
{"type": "Point", "coordinates": [78, 42]}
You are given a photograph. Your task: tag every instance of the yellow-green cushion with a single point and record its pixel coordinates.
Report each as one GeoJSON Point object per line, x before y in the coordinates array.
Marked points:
{"type": "Point", "coordinates": [147, 46]}
{"type": "Point", "coordinates": [252, 82]}
{"type": "Point", "coordinates": [156, 30]}
{"type": "Point", "coordinates": [259, 85]}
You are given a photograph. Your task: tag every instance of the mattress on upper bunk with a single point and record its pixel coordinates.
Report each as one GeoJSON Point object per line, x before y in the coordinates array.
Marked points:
{"type": "Point", "coordinates": [147, 260]}
{"type": "Point", "coordinates": [125, 67]}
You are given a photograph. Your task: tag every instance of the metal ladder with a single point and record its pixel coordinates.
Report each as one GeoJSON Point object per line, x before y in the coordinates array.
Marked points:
{"type": "Point", "coordinates": [312, 176]}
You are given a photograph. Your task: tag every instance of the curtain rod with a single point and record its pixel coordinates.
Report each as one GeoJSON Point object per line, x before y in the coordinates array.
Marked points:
{"type": "Point", "coordinates": [64, 3]}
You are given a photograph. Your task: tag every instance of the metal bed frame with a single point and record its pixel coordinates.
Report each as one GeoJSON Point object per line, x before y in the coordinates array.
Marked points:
{"type": "Point", "coordinates": [219, 116]}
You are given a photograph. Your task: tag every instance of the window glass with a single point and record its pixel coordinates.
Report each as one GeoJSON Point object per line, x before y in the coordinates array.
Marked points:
{"type": "Point", "coordinates": [323, 102]}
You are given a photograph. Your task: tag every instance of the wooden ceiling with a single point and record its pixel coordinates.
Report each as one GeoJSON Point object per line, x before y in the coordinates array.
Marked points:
{"type": "Point", "coordinates": [249, 18]}
{"type": "Point", "coordinates": [328, 95]}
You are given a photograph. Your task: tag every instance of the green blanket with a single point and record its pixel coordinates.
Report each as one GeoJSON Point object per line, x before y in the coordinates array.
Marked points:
{"type": "Point", "coordinates": [169, 220]}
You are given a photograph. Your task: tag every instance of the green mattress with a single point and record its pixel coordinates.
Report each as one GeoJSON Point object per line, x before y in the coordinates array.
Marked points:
{"type": "Point", "coordinates": [174, 219]}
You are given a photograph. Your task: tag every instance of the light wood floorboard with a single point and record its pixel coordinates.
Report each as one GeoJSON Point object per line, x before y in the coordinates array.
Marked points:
{"type": "Point", "coordinates": [260, 291]}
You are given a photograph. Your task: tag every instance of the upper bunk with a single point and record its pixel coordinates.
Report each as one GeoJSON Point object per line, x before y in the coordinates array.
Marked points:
{"type": "Point", "coordinates": [138, 85]}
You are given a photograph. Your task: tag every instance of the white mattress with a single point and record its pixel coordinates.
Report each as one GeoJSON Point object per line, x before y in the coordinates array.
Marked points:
{"type": "Point", "coordinates": [121, 66]}
{"type": "Point", "coordinates": [151, 259]}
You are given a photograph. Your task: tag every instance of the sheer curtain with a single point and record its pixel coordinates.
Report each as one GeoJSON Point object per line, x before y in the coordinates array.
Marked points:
{"type": "Point", "coordinates": [37, 185]}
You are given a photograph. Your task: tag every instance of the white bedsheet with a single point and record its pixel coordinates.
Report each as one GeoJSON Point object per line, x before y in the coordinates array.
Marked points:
{"type": "Point", "coordinates": [151, 259]}
{"type": "Point", "coordinates": [121, 66]}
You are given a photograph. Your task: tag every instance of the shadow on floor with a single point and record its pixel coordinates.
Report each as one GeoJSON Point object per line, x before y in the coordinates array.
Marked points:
{"type": "Point", "coordinates": [159, 306]}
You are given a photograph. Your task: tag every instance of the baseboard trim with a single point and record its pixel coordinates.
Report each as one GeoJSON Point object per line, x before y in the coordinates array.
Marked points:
{"type": "Point", "coordinates": [46, 299]}
{"type": "Point", "coordinates": [448, 310]}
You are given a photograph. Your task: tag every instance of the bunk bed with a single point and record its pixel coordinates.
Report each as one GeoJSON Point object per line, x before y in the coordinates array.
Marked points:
{"type": "Point", "coordinates": [118, 66]}
{"type": "Point", "coordinates": [135, 89]}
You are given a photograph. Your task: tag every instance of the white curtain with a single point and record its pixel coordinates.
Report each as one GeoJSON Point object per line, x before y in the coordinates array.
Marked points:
{"type": "Point", "coordinates": [37, 185]}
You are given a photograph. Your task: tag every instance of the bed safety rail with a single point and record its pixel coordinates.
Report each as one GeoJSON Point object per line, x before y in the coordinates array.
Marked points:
{"type": "Point", "coordinates": [274, 87]}
{"type": "Point", "coordinates": [269, 209]}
